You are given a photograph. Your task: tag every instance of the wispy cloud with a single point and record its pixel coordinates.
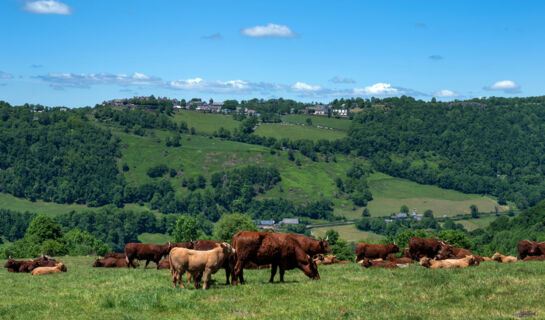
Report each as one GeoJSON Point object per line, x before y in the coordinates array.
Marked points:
{"type": "Point", "coordinates": [47, 7]}
{"type": "Point", "coordinates": [420, 25]}
{"type": "Point", "coordinates": [215, 36]}
{"type": "Point", "coordinates": [446, 94]}
{"type": "Point", "coordinates": [270, 30]}
{"type": "Point", "coordinates": [436, 57]}
{"type": "Point", "coordinates": [36, 66]}
{"type": "Point", "coordinates": [4, 75]}
{"type": "Point", "coordinates": [506, 86]}
{"type": "Point", "coordinates": [338, 79]}
{"type": "Point", "coordinates": [86, 80]}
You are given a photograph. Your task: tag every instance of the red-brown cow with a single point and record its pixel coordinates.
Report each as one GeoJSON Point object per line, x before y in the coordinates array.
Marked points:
{"type": "Point", "coordinates": [366, 263]}
{"type": "Point", "coordinates": [113, 263]}
{"type": "Point", "coordinates": [29, 265]}
{"type": "Point", "coordinates": [430, 247]}
{"type": "Point", "coordinates": [534, 258]}
{"type": "Point", "coordinates": [374, 251]}
{"type": "Point", "coordinates": [530, 248]}
{"type": "Point", "coordinates": [279, 249]}
{"type": "Point", "coordinates": [164, 264]}
{"type": "Point", "coordinates": [13, 265]}
{"type": "Point", "coordinates": [144, 251]}
{"type": "Point", "coordinates": [115, 255]}
{"type": "Point", "coordinates": [450, 252]}
{"type": "Point", "coordinates": [396, 260]}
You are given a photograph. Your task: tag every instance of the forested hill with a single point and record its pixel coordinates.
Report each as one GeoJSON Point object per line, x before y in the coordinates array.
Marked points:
{"type": "Point", "coordinates": [489, 146]}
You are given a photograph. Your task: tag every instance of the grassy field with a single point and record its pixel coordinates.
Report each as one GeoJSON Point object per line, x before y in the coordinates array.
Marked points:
{"type": "Point", "coordinates": [390, 193]}
{"type": "Point", "coordinates": [472, 224]}
{"type": "Point", "coordinates": [339, 124]}
{"type": "Point", "coordinates": [206, 123]}
{"type": "Point", "coordinates": [349, 291]}
{"type": "Point", "coordinates": [8, 201]}
{"type": "Point", "coordinates": [297, 132]}
{"type": "Point", "coordinates": [350, 233]}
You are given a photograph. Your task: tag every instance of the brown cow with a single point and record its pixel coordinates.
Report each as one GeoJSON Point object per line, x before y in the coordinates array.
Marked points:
{"type": "Point", "coordinates": [482, 259]}
{"type": "Point", "coordinates": [449, 263]}
{"type": "Point", "coordinates": [504, 259]}
{"type": "Point", "coordinates": [164, 264]}
{"type": "Point", "coordinates": [13, 265]}
{"type": "Point", "coordinates": [115, 255]}
{"type": "Point", "coordinates": [144, 251]}
{"type": "Point", "coordinates": [367, 263]}
{"type": "Point", "coordinates": [430, 247]}
{"type": "Point", "coordinates": [534, 258]}
{"type": "Point", "coordinates": [59, 267]}
{"type": "Point", "coordinates": [374, 251]}
{"type": "Point", "coordinates": [206, 262]}
{"type": "Point", "coordinates": [530, 248]}
{"type": "Point", "coordinates": [113, 263]}
{"type": "Point", "coordinates": [450, 252]}
{"type": "Point", "coordinates": [278, 249]}
{"type": "Point", "coordinates": [397, 260]}
{"type": "Point", "coordinates": [29, 265]}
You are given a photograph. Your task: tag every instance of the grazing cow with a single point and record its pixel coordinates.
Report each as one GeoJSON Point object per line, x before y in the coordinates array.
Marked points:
{"type": "Point", "coordinates": [449, 263]}
{"type": "Point", "coordinates": [397, 260]}
{"type": "Point", "coordinates": [450, 252]}
{"type": "Point", "coordinates": [193, 261]}
{"type": "Point", "coordinates": [430, 247]}
{"type": "Point", "coordinates": [375, 251]}
{"type": "Point", "coordinates": [278, 249]}
{"type": "Point", "coordinates": [164, 264]}
{"type": "Point", "coordinates": [113, 263]}
{"type": "Point", "coordinates": [115, 255]}
{"type": "Point", "coordinates": [534, 258]}
{"type": "Point", "coordinates": [367, 263]}
{"type": "Point", "coordinates": [144, 251]}
{"type": "Point", "coordinates": [530, 248]}
{"type": "Point", "coordinates": [59, 267]}
{"type": "Point", "coordinates": [503, 259]}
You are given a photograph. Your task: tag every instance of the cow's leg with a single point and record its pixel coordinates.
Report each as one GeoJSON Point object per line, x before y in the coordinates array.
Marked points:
{"type": "Point", "coordinates": [179, 277]}
{"type": "Point", "coordinates": [207, 273]}
{"type": "Point", "coordinates": [273, 272]}
{"type": "Point", "coordinates": [227, 273]}
{"type": "Point", "coordinates": [188, 278]}
{"type": "Point", "coordinates": [147, 262]}
{"type": "Point", "coordinates": [282, 270]}
{"type": "Point", "coordinates": [237, 271]}
{"type": "Point", "coordinates": [174, 277]}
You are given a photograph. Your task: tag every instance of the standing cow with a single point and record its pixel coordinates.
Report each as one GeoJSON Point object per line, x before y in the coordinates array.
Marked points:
{"type": "Point", "coordinates": [268, 247]}
{"type": "Point", "coordinates": [204, 245]}
{"type": "Point", "coordinates": [144, 251]}
{"type": "Point", "coordinates": [430, 247]}
{"type": "Point", "coordinates": [375, 251]}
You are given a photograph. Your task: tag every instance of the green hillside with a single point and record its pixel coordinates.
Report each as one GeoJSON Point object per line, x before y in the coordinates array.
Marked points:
{"type": "Point", "coordinates": [338, 124]}
{"type": "Point", "coordinates": [297, 132]}
{"type": "Point", "coordinates": [205, 123]}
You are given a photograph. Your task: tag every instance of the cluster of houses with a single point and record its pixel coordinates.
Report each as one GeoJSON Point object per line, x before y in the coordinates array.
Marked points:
{"type": "Point", "coordinates": [404, 215]}
{"type": "Point", "coordinates": [272, 225]}
{"type": "Point", "coordinates": [321, 110]}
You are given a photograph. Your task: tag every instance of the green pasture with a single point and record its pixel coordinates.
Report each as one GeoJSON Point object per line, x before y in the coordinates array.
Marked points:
{"type": "Point", "coordinates": [297, 132]}
{"type": "Point", "coordinates": [489, 291]}
{"type": "Point", "coordinates": [350, 233]}
{"type": "Point", "coordinates": [342, 124]}
{"type": "Point", "coordinates": [206, 123]}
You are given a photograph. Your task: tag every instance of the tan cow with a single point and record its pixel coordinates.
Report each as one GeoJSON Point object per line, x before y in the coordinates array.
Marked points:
{"type": "Point", "coordinates": [503, 259]}
{"type": "Point", "coordinates": [59, 267]}
{"type": "Point", "coordinates": [449, 263]}
{"type": "Point", "coordinates": [193, 261]}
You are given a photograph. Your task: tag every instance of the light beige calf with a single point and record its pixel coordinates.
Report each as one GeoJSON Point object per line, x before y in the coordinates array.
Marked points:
{"type": "Point", "coordinates": [59, 267]}
{"type": "Point", "coordinates": [504, 259]}
{"type": "Point", "coordinates": [194, 262]}
{"type": "Point", "coordinates": [449, 263]}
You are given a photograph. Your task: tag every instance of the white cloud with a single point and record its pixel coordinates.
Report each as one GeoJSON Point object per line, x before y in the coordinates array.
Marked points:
{"type": "Point", "coordinates": [4, 75]}
{"type": "Point", "coordinates": [270, 30]}
{"type": "Point", "coordinates": [85, 80]}
{"type": "Point", "coordinates": [47, 7]}
{"type": "Point", "coordinates": [338, 79]}
{"type": "Point", "coordinates": [378, 89]}
{"type": "Point", "coordinates": [506, 86]}
{"type": "Point", "coordinates": [445, 94]}
{"type": "Point", "coordinates": [301, 86]}
{"type": "Point", "coordinates": [198, 84]}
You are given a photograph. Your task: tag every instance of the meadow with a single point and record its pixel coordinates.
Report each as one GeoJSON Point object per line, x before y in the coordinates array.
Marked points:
{"type": "Point", "coordinates": [491, 290]}
{"type": "Point", "coordinates": [339, 124]}
{"type": "Point", "coordinates": [297, 132]}
{"type": "Point", "coordinates": [350, 233]}
{"type": "Point", "coordinates": [205, 123]}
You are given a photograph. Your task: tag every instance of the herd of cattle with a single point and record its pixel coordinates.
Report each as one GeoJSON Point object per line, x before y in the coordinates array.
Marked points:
{"type": "Point", "coordinates": [283, 251]}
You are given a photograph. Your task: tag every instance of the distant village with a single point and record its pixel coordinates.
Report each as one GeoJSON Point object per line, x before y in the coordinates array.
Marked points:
{"type": "Point", "coordinates": [218, 107]}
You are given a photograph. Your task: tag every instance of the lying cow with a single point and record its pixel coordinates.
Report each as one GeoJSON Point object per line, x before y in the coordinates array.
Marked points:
{"type": "Point", "coordinates": [530, 248]}
{"type": "Point", "coordinates": [450, 252]}
{"type": "Point", "coordinates": [115, 255]}
{"type": "Point", "coordinates": [375, 251]}
{"type": "Point", "coordinates": [503, 259]}
{"type": "Point", "coordinates": [449, 263]}
{"type": "Point", "coordinates": [397, 260]}
{"type": "Point", "coordinates": [195, 262]}
{"type": "Point", "coordinates": [534, 258]}
{"type": "Point", "coordinates": [113, 263]}
{"type": "Point", "coordinates": [164, 264]}
{"type": "Point", "coordinates": [367, 263]}
{"type": "Point", "coordinates": [59, 267]}
{"type": "Point", "coordinates": [29, 265]}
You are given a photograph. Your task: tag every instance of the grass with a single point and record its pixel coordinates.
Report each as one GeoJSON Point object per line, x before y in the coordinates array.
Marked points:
{"type": "Point", "coordinates": [390, 193]}
{"type": "Point", "coordinates": [491, 290]}
{"type": "Point", "coordinates": [472, 224]}
{"type": "Point", "coordinates": [338, 124]}
{"type": "Point", "coordinates": [297, 132]}
{"type": "Point", "coordinates": [206, 123]}
{"type": "Point", "coordinates": [8, 201]}
{"type": "Point", "coordinates": [349, 232]}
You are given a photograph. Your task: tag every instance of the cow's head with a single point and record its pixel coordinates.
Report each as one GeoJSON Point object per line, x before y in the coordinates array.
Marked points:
{"type": "Point", "coordinates": [395, 248]}
{"type": "Point", "coordinates": [497, 257]}
{"type": "Point", "coordinates": [98, 263]}
{"type": "Point", "coordinates": [472, 261]}
{"type": "Point", "coordinates": [313, 274]}
{"type": "Point", "coordinates": [61, 267]}
{"type": "Point", "coordinates": [10, 263]}
{"type": "Point", "coordinates": [324, 246]}
{"type": "Point", "coordinates": [445, 252]}
{"type": "Point", "coordinates": [227, 249]}
{"type": "Point", "coordinates": [425, 262]}
{"type": "Point", "coordinates": [366, 263]}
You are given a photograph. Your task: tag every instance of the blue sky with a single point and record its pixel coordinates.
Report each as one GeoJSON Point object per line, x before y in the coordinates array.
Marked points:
{"type": "Point", "coordinates": [81, 52]}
